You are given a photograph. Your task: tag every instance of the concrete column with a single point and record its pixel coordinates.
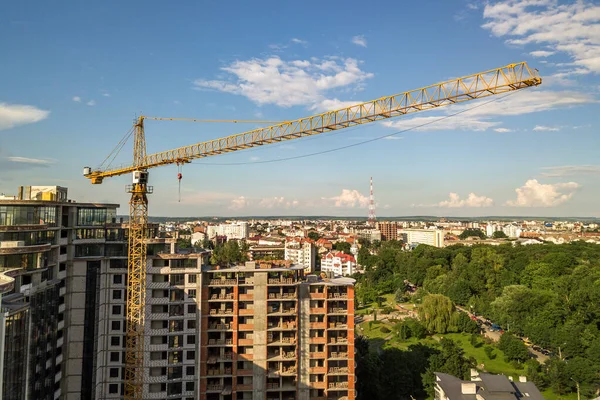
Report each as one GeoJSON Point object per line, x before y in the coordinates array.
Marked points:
{"type": "Point", "coordinates": [304, 342]}
{"type": "Point", "coordinates": [260, 337]}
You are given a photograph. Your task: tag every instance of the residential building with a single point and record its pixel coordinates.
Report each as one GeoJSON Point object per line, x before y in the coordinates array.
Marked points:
{"type": "Point", "coordinates": [371, 235]}
{"type": "Point", "coordinates": [51, 248]}
{"type": "Point", "coordinates": [484, 386]}
{"type": "Point", "coordinates": [301, 251]}
{"type": "Point", "coordinates": [338, 263]}
{"type": "Point", "coordinates": [431, 237]}
{"type": "Point", "coordinates": [389, 230]}
{"type": "Point", "coordinates": [233, 231]}
{"type": "Point", "coordinates": [268, 332]}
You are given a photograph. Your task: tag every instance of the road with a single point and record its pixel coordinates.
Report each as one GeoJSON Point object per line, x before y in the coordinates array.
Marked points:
{"type": "Point", "coordinates": [495, 336]}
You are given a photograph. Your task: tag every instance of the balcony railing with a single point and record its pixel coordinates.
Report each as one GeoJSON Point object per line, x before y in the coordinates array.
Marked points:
{"type": "Point", "coordinates": [338, 295]}
{"type": "Point", "coordinates": [223, 282]}
{"type": "Point", "coordinates": [220, 326]}
{"type": "Point", "coordinates": [338, 385]}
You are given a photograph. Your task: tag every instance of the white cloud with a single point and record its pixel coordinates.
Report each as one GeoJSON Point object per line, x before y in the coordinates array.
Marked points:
{"type": "Point", "coordinates": [277, 202]}
{"type": "Point", "coordinates": [535, 194]}
{"type": "Point", "coordinates": [289, 83]}
{"type": "Point", "coordinates": [359, 40]}
{"type": "Point", "coordinates": [472, 6]}
{"type": "Point", "coordinates": [570, 170]}
{"type": "Point", "coordinates": [568, 28]}
{"type": "Point", "coordinates": [349, 198]}
{"type": "Point", "coordinates": [332, 104]}
{"type": "Point", "coordinates": [77, 99]}
{"type": "Point", "coordinates": [25, 160]}
{"type": "Point", "coordinates": [471, 201]}
{"type": "Point", "coordinates": [393, 138]}
{"type": "Point", "coordinates": [91, 103]}
{"type": "Point", "coordinates": [12, 115]}
{"type": "Point", "coordinates": [502, 130]}
{"type": "Point", "coordinates": [541, 53]}
{"type": "Point", "coordinates": [106, 94]}
{"type": "Point", "coordinates": [299, 41]}
{"type": "Point", "coordinates": [238, 203]}
{"type": "Point", "coordinates": [254, 158]}
{"type": "Point", "coordinates": [481, 118]}
{"type": "Point", "coordinates": [542, 128]}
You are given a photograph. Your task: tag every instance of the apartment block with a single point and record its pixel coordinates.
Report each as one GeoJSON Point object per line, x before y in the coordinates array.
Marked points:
{"type": "Point", "coordinates": [389, 230]}
{"type": "Point", "coordinates": [301, 251]}
{"type": "Point", "coordinates": [269, 332]}
{"type": "Point", "coordinates": [431, 237]}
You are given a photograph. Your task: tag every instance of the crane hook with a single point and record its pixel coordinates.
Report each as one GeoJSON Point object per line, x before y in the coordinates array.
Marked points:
{"type": "Point", "coordinates": [179, 176]}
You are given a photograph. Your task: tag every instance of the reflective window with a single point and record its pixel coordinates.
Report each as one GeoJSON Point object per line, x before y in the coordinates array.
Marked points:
{"type": "Point", "coordinates": [27, 215]}
{"type": "Point", "coordinates": [91, 216]}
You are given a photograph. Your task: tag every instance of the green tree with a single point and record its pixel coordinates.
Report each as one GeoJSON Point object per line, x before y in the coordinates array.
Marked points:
{"type": "Point", "coordinates": [513, 348]}
{"type": "Point", "coordinates": [342, 246]}
{"type": "Point", "coordinates": [471, 232]}
{"type": "Point", "coordinates": [313, 235]}
{"type": "Point", "coordinates": [499, 235]}
{"type": "Point", "coordinates": [451, 360]}
{"type": "Point", "coordinates": [436, 313]}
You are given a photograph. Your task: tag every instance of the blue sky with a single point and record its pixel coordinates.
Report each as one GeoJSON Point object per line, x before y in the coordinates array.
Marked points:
{"type": "Point", "coordinates": [74, 75]}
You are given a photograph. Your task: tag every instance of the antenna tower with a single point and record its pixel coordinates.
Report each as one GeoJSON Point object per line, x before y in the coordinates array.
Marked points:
{"type": "Point", "coordinates": [372, 220]}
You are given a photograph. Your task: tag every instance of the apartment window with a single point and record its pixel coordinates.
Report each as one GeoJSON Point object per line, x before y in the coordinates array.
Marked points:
{"type": "Point", "coordinates": [177, 279]}
{"type": "Point", "coordinates": [192, 278]}
{"type": "Point", "coordinates": [189, 386]}
{"type": "Point", "coordinates": [190, 371]}
{"type": "Point", "coordinates": [115, 325]}
{"type": "Point", "coordinates": [191, 339]}
{"type": "Point", "coordinates": [91, 216]}
{"type": "Point", "coordinates": [62, 267]}
{"type": "Point", "coordinates": [191, 355]}
{"type": "Point", "coordinates": [115, 341]}
{"type": "Point", "coordinates": [113, 388]}
{"type": "Point", "coordinates": [117, 279]}
{"type": "Point", "coordinates": [114, 356]}
{"type": "Point", "coordinates": [192, 324]}
{"type": "Point", "coordinates": [117, 294]}
{"type": "Point", "coordinates": [118, 263]}
{"type": "Point", "coordinates": [114, 372]}
{"type": "Point", "coordinates": [192, 309]}
{"type": "Point", "coordinates": [192, 293]}
{"type": "Point", "coordinates": [116, 310]}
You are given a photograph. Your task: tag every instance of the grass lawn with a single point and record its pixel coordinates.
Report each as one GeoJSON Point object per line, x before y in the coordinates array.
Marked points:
{"type": "Point", "coordinates": [550, 395]}
{"type": "Point", "coordinates": [495, 366]}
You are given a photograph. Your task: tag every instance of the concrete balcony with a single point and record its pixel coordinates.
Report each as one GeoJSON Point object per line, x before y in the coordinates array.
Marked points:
{"type": "Point", "coordinates": [246, 297]}
{"type": "Point", "coordinates": [317, 370]}
{"type": "Point", "coordinates": [245, 311]}
{"type": "Point", "coordinates": [318, 355]}
{"type": "Point", "coordinates": [61, 325]}
{"type": "Point", "coordinates": [318, 325]}
{"type": "Point", "coordinates": [157, 285]}
{"type": "Point", "coordinates": [58, 377]}
{"type": "Point", "coordinates": [62, 291]}
{"type": "Point", "coordinates": [158, 300]}
{"type": "Point", "coordinates": [317, 385]}
{"type": "Point", "coordinates": [246, 327]}
{"type": "Point", "coordinates": [57, 394]}
{"type": "Point", "coordinates": [316, 296]}
{"type": "Point", "coordinates": [317, 310]}
{"type": "Point", "coordinates": [337, 386]}
{"type": "Point", "coordinates": [59, 359]}
{"type": "Point", "coordinates": [318, 340]}
{"type": "Point", "coordinates": [245, 342]}
{"type": "Point", "coordinates": [61, 308]}
{"type": "Point", "coordinates": [60, 342]}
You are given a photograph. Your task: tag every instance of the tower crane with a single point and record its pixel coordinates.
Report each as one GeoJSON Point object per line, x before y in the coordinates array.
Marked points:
{"type": "Point", "coordinates": [488, 83]}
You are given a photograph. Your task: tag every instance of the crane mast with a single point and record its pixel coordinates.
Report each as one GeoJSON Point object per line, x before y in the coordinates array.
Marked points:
{"type": "Point", "coordinates": [496, 81]}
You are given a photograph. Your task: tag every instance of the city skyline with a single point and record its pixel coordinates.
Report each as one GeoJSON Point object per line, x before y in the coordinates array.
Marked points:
{"type": "Point", "coordinates": [531, 153]}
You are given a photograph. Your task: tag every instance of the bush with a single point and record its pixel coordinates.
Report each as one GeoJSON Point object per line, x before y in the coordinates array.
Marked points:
{"type": "Point", "coordinates": [388, 310]}
{"type": "Point", "coordinates": [489, 352]}
{"type": "Point", "coordinates": [385, 329]}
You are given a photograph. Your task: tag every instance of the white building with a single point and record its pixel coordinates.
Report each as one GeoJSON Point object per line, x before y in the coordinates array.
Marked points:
{"type": "Point", "coordinates": [301, 251]}
{"type": "Point", "coordinates": [338, 263]}
{"type": "Point", "coordinates": [431, 237]}
{"type": "Point", "coordinates": [235, 231]}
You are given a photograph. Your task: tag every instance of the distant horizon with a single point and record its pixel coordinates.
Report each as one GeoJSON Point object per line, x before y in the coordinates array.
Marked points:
{"type": "Point", "coordinates": [409, 217]}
